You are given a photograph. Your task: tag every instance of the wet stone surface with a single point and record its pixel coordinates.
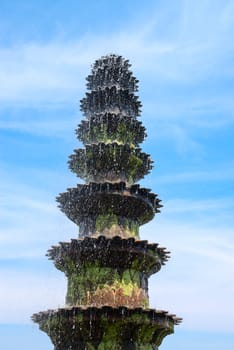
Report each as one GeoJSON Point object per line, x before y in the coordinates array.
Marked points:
{"type": "Point", "coordinates": [107, 268]}
{"type": "Point", "coordinates": [115, 253]}
{"type": "Point", "coordinates": [106, 327]}
{"type": "Point", "coordinates": [86, 205]}
{"type": "Point", "coordinates": [110, 128]}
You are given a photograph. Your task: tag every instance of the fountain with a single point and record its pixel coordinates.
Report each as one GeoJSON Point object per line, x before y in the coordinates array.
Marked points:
{"type": "Point", "coordinates": [108, 266]}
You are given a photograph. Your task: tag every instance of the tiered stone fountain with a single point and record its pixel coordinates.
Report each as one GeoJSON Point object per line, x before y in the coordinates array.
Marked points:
{"type": "Point", "coordinates": [108, 266]}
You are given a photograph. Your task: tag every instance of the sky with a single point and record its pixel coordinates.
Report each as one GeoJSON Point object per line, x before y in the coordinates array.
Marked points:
{"type": "Point", "coordinates": [182, 52]}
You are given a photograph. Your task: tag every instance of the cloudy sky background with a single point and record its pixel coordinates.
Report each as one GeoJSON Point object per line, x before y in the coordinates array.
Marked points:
{"type": "Point", "coordinates": [183, 54]}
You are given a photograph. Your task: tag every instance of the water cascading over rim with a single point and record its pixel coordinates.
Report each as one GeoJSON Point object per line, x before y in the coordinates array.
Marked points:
{"type": "Point", "coordinates": [108, 266]}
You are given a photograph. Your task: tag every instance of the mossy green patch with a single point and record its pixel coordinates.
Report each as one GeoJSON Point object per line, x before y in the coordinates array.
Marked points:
{"type": "Point", "coordinates": [102, 133]}
{"type": "Point", "coordinates": [134, 164]}
{"type": "Point", "coordinates": [111, 336]}
{"type": "Point", "coordinates": [106, 221]}
{"type": "Point", "coordinates": [112, 225]}
{"type": "Point", "coordinates": [91, 284]}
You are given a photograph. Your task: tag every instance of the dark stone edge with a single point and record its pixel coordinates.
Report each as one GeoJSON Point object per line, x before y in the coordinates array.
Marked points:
{"type": "Point", "coordinates": [107, 311]}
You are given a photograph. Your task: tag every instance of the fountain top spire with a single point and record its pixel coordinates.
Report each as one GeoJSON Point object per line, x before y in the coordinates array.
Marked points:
{"type": "Point", "coordinates": [112, 87]}
{"type": "Point", "coordinates": [113, 70]}
{"type": "Point", "coordinates": [111, 160]}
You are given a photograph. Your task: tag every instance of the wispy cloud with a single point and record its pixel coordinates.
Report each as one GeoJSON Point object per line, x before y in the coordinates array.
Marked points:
{"type": "Point", "coordinates": [225, 174]}
{"type": "Point", "coordinates": [30, 219]}
{"type": "Point", "coordinates": [47, 126]}
{"type": "Point", "coordinates": [182, 63]}
{"type": "Point", "coordinates": [55, 71]}
{"type": "Point", "coordinates": [24, 293]}
{"type": "Point", "coordinates": [203, 205]}
{"type": "Point", "coordinates": [178, 69]}
{"type": "Point", "coordinates": [197, 281]}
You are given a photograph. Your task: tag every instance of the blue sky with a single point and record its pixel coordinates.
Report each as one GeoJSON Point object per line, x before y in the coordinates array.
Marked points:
{"type": "Point", "coordinates": [183, 54]}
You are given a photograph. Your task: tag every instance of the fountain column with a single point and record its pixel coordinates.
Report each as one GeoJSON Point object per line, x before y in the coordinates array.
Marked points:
{"type": "Point", "coordinates": [108, 266]}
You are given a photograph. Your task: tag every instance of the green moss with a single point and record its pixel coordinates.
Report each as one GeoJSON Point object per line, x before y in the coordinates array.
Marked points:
{"type": "Point", "coordinates": [131, 276]}
{"type": "Point", "coordinates": [131, 228]}
{"type": "Point", "coordinates": [145, 333]}
{"type": "Point", "coordinates": [92, 284]}
{"type": "Point", "coordinates": [112, 225]}
{"type": "Point", "coordinates": [86, 280]}
{"type": "Point", "coordinates": [134, 165]}
{"type": "Point", "coordinates": [111, 336]}
{"type": "Point", "coordinates": [122, 135]}
{"type": "Point", "coordinates": [69, 265]}
{"type": "Point", "coordinates": [113, 331]}
{"type": "Point", "coordinates": [115, 162]}
{"type": "Point", "coordinates": [106, 221]}
{"type": "Point", "coordinates": [145, 347]}
{"type": "Point", "coordinates": [139, 318]}
{"type": "Point", "coordinates": [108, 345]}
{"type": "Point", "coordinates": [89, 346]}
{"type": "Point", "coordinates": [139, 330]}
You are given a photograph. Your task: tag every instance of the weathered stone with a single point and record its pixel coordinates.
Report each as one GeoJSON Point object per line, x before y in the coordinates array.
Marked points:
{"type": "Point", "coordinates": [97, 207]}
{"type": "Point", "coordinates": [106, 328]}
{"type": "Point", "coordinates": [107, 268]}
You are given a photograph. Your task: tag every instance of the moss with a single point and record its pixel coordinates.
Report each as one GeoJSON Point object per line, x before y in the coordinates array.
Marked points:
{"type": "Point", "coordinates": [124, 134]}
{"type": "Point", "coordinates": [92, 284]}
{"type": "Point", "coordinates": [131, 228]}
{"type": "Point", "coordinates": [111, 336]}
{"type": "Point", "coordinates": [130, 276]}
{"type": "Point", "coordinates": [145, 333]}
{"type": "Point", "coordinates": [102, 133]}
{"type": "Point", "coordinates": [89, 346]}
{"type": "Point", "coordinates": [139, 318]}
{"type": "Point", "coordinates": [85, 281]}
{"type": "Point", "coordinates": [113, 225]}
{"type": "Point", "coordinates": [130, 331]}
{"type": "Point", "coordinates": [106, 221]}
{"type": "Point", "coordinates": [134, 165]}
{"type": "Point", "coordinates": [135, 264]}
{"type": "Point", "coordinates": [69, 265]}
{"type": "Point", "coordinates": [110, 162]}
{"type": "Point", "coordinates": [145, 347]}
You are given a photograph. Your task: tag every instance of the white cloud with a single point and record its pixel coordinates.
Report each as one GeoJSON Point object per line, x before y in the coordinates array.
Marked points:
{"type": "Point", "coordinates": [30, 220]}
{"type": "Point", "coordinates": [50, 127]}
{"type": "Point", "coordinates": [55, 71]}
{"type": "Point", "coordinates": [195, 51]}
{"type": "Point", "coordinates": [23, 293]}
{"type": "Point", "coordinates": [225, 174]}
{"type": "Point", "coordinates": [197, 283]}
{"type": "Point", "coordinates": [201, 205]}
